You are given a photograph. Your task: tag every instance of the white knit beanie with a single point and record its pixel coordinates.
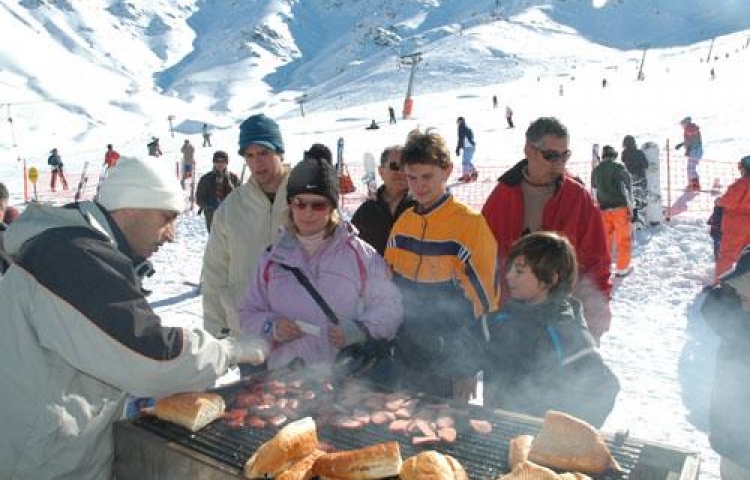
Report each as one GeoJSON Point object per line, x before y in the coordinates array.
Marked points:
{"type": "Point", "coordinates": [134, 183]}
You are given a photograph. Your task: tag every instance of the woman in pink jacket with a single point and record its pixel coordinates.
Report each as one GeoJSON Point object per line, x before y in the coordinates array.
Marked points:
{"type": "Point", "coordinates": [350, 276]}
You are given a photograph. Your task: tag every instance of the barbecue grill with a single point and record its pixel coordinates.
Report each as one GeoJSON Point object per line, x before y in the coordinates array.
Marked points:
{"type": "Point", "coordinates": [149, 448]}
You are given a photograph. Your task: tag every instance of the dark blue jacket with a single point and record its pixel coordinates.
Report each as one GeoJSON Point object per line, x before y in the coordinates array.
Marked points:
{"type": "Point", "coordinates": [543, 357]}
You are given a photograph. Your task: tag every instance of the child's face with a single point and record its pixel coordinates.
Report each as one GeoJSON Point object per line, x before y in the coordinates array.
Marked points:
{"type": "Point", "coordinates": [523, 284]}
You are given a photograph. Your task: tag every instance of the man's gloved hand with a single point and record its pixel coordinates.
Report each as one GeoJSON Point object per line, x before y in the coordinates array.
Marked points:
{"type": "Point", "coordinates": [247, 350]}
{"type": "Point", "coordinates": [679, 146]}
{"type": "Point", "coordinates": [458, 151]}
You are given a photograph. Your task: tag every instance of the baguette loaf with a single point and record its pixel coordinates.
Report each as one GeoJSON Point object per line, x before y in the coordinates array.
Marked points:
{"type": "Point", "coordinates": [531, 471]}
{"type": "Point", "coordinates": [376, 461]}
{"type": "Point", "coordinates": [519, 450]}
{"type": "Point", "coordinates": [191, 410]}
{"type": "Point", "coordinates": [570, 444]}
{"type": "Point", "coordinates": [292, 443]}
{"type": "Point", "coordinates": [302, 469]}
{"type": "Point", "coordinates": [432, 465]}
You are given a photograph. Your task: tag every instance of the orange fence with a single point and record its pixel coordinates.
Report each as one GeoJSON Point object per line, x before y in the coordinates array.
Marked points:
{"type": "Point", "coordinates": [716, 176]}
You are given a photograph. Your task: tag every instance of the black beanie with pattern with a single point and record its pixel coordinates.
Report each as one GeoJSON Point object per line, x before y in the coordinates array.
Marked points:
{"type": "Point", "coordinates": [314, 175]}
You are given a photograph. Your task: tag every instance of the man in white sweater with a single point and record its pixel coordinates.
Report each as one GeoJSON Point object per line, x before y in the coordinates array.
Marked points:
{"type": "Point", "coordinates": [244, 225]}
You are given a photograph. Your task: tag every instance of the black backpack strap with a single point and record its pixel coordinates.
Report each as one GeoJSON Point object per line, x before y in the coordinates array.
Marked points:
{"type": "Point", "coordinates": [312, 291]}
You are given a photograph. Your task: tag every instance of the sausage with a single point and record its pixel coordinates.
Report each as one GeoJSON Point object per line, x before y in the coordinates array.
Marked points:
{"type": "Point", "coordinates": [482, 427]}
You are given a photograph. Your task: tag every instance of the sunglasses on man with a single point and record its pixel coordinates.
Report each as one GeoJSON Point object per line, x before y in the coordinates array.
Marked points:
{"type": "Point", "coordinates": [314, 205]}
{"type": "Point", "coordinates": [554, 155]}
{"type": "Point", "coordinates": [393, 166]}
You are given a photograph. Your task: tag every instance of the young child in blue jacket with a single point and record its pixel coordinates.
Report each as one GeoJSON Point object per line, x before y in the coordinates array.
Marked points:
{"type": "Point", "coordinates": [541, 355]}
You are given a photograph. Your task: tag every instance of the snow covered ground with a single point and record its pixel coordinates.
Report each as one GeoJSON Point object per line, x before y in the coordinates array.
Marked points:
{"type": "Point", "coordinates": [659, 345]}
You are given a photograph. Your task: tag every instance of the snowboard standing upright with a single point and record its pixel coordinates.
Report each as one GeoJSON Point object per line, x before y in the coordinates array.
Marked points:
{"type": "Point", "coordinates": [370, 177]}
{"type": "Point", "coordinates": [654, 207]}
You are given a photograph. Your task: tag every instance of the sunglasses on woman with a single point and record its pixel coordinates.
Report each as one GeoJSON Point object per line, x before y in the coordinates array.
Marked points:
{"type": "Point", "coordinates": [315, 205]}
{"type": "Point", "coordinates": [554, 155]}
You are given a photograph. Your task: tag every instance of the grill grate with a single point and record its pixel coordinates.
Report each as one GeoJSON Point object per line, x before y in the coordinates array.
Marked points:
{"type": "Point", "coordinates": [483, 456]}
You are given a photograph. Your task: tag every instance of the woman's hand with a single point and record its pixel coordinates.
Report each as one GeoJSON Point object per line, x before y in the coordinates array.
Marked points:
{"type": "Point", "coordinates": [286, 330]}
{"type": "Point", "coordinates": [336, 336]}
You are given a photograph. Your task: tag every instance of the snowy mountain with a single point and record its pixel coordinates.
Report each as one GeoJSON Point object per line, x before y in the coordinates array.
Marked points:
{"type": "Point", "coordinates": [216, 60]}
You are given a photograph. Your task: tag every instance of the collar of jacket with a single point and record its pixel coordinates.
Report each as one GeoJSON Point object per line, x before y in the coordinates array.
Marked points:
{"type": "Point", "coordinates": [287, 249]}
{"type": "Point", "coordinates": [285, 171]}
{"type": "Point", "coordinates": [405, 202]}
{"type": "Point", "coordinates": [445, 199]}
{"type": "Point", "coordinates": [514, 176]}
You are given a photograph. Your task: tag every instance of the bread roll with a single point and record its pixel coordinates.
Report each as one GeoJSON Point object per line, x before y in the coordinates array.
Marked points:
{"type": "Point", "coordinates": [531, 471]}
{"type": "Point", "coordinates": [377, 461]}
{"type": "Point", "coordinates": [432, 465]}
{"type": "Point", "coordinates": [191, 410]}
{"type": "Point", "coordinates": [570, 444]}
{"type": "Point", "coordinates": [519, 450]}
{"type": "Point", "coordinates": [292, 443]}
{"type": "Point", "coordinates": [302, 469]}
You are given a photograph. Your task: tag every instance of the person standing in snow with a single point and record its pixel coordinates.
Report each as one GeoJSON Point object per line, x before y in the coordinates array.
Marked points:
{"type": "Point", "coordinates": [375, 217]}
{"type": "Point", "coordinates": [509, 116]}
{"type": "Point", "coordinates": [735, 218]}
{"type": "Point", "coordinates": [188, 161]}
{"type": "Point", "coordinates": [541, 354]}
{"type": "Point", "coordinates": [614, 194]}
{"type": "Point", "coordinates": [727, 312]}
{"type": "Point", "coordinates": [81, 335]}
{"type": "Point", "coordinates": [55, 161]}
{"type": "Point", "coordinates": [538, 194]}
{"type": "Point", "coordinates": [466, 144]}
{"type": "Point", "coordinates": [693, 144]}
{"type": "Point", "coordinates": [345, 271]}
{"type": "Point", "coordinates": [111, 156]}
{"type": "Point", "coordinates": [215, 186]}
{"type": "Point", "coordinates": [444, 259]}
{"type": "Point", "coordinates": [391, 115]}
{"type": "Point", "coordinates": [245, 224]}
{"type": "Point", "coordinates": [634, 160]}
{"type": "Point", "coordinates": [206, 136]}
{"type": "Point", "coordinates": [494, 101]}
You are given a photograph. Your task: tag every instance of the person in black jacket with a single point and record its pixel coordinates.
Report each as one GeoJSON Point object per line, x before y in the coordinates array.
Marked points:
{"type": "Point", "coordinates": [540, 352]}
{"type": "Point", "coordinates": [634, 159]}
{"type": "Point", "coordinates": [727, 311]}
{"type": "Point", "coordinates": [214, 186]}
{"type": "Point", "coordinates": [375, 218]}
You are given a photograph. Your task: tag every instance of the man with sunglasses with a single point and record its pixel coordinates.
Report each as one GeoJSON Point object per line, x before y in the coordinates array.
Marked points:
{"type": "Point", "coordinates": [244, 224]}
{"type": "Point", "coordinates": [539, 194]}
{"type": "Point", "coordinates": [375, 218]}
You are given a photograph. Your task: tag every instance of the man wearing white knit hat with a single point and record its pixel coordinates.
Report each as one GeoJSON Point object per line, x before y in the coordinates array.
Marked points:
{"type": "Point", "coordinates": [79, 334]}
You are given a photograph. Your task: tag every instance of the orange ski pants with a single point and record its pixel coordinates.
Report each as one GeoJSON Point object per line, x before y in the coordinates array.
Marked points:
{"type": "Point", "coordinates": [617, 229]}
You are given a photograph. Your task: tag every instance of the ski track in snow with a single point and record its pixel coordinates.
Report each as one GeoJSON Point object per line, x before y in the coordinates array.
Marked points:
{"type": "Point", "coordinates": [658, 345]}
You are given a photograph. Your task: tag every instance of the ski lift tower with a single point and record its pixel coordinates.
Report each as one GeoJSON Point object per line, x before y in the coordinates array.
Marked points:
{"type": "Point", "coordinates": [412, 60]}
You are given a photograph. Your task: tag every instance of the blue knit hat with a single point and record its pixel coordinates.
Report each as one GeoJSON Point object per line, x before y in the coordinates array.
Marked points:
{"type": "Point", "coordinates": [260, 130]}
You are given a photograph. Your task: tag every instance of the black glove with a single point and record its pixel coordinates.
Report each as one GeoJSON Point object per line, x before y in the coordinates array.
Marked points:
{"type": "Point", "coordinates": [678, 146]}
{"type": "Point", "coordinates": [458, 151]}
